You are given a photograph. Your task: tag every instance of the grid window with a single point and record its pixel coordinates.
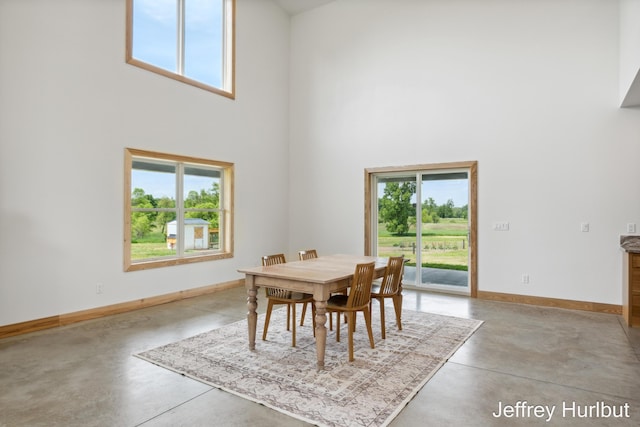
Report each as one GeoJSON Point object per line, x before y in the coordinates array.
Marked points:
{"type": "Point", "coordinates": [177, 210]}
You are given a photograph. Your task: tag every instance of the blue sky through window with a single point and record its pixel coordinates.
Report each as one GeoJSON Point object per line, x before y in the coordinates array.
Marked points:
{"type": "Point", "coordinates": [443, 190]}
{"type": "Point", "coordinates": [155, 39]}
{"type": "Point", "coordinates": [155, 32]}
{"type": "Point", "coordinates": [204, 41]}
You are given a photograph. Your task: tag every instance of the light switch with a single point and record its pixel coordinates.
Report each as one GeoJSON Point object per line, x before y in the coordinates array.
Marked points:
{"type": "Point", "coordinates": [584, 227]}
{"type": "Point", "coordinates": [631, 228]}
{"type": "Point", "coordinates": [501, 226]}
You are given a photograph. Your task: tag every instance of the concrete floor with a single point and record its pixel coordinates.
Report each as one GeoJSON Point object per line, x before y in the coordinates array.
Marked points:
{"type": "Point", "coordinates": [85, 375]}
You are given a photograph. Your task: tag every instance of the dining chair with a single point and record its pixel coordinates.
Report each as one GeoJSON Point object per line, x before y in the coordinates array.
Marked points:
{"type": "Point", "coordinates": [308, 254]}
{"type": "Point", "coordinates": [304, 255]}
{"type": "Point", "coordinates": [281, 296]}
{"type": "Point", "coordinates": [390, 287]}
{"type": "Point", "coordinates": [359, 299]}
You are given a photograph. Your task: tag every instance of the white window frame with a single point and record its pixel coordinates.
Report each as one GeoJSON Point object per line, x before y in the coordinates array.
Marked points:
{"type": "Point", "coordinates": [225, 210]}
{"type": "Point", "coordinates": [228, 51]}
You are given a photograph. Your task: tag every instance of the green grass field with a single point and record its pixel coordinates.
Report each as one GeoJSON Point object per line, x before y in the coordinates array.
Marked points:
{"type": "Point", "coordinates": [150, 250]}
{"type": "Point", "coordinates": [153, 245]}
{"type": "Point", "coordinates": [444, 245]}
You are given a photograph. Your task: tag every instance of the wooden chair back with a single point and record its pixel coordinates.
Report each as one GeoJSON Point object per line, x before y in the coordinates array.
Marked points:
{"type": "Point", "coordinates": [360, 292]}
{"type": "Point", "coordinates": [268, 260]}
{"type": "Point", "coordinates": [392, 276]}
{"type": "Point", "coordinates": [273, 259]}
{"type": "Point", "coordinates": [308, 254]}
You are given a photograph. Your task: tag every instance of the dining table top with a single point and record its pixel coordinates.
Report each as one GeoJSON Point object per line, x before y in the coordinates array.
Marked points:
{"type": "Point", "coordinates": [324, 269]}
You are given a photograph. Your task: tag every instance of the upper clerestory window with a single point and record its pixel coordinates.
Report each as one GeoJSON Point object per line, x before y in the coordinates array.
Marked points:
{"type": "Point", "coordinates": [191, 41]}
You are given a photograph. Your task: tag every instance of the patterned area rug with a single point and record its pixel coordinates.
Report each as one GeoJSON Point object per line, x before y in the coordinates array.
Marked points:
{"type": "Point", "coordinates": [370, 391]}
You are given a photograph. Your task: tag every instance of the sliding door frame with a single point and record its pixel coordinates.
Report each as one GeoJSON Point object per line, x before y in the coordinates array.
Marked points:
{"type": "Point", "coordinates": [472, 167]}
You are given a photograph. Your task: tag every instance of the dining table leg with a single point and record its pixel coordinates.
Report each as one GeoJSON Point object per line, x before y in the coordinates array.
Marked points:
{"type": "Point", "coordinates": [321, 332]}
{"type": "Point", "coordinates": [252, 315]}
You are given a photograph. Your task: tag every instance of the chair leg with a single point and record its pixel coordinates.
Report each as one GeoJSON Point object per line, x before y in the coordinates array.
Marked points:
{"type": "Point", "coordinates": [344, 292]}
{"type": "Point", "coordinates": [351, 325]}
{"type": "Point", "coordinates": [289, 317]}
{"type": "Point", "coordinates": [397, 304]}
{"type": "Point", "coordinates": [367, 320]}
{"type": "Point", "coordinates": [267, 319]}
{"type": "Point", "coordinates": [293, 327]}
{"type": "Point", "coordinates": [382, 319]}
{"type": "Point", "coordinates": [304, 312]}
{"type": "Point", "coordinates": [337, 326]}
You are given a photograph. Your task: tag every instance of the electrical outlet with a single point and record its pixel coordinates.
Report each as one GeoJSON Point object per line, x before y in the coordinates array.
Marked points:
{"type": "Point", "coordinates": [631, 228]}
{"type": "Point", "coordinates": [99, 288]}
{"type": "Point", "coordinates": [525, 279]}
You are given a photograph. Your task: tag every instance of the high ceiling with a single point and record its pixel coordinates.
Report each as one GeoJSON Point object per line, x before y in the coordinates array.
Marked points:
{"type": "Point", "coordinates": [297, 6]}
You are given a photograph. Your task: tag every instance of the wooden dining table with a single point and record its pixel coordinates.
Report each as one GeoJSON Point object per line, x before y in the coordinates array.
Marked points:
{"type": "Point", "coordinates": [320, 277]}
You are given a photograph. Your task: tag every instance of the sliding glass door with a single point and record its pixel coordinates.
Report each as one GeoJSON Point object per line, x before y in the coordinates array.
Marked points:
{"type": "Point", "coordinates": [425, 216]}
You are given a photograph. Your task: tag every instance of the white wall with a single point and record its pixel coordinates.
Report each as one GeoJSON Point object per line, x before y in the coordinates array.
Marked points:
{"type": "Point", "coordinates": [529, 89]}
{"type": "Point", "coordinates": [69, 105]}
{"type": "Point", "coordinates": [629, 51]}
